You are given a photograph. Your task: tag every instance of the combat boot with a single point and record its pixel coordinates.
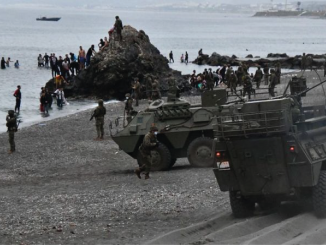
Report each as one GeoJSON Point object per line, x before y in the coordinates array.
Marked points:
{"type": "Point", "coordinates": [147, 176]}
{"type": "Point", "coordinates": [137, 172]}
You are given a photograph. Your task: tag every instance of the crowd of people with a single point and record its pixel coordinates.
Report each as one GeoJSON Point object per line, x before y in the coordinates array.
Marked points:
{"type": "Point", "coordinates": [6, 63]}
{"type": "Point", "coordinates": [226, 76]}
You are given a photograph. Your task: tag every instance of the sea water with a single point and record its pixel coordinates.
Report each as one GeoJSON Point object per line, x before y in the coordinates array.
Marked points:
{"type": "Point", "coordinates": [23, 38]}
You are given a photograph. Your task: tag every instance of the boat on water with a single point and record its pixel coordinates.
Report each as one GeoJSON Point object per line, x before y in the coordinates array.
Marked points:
{"type": "Point", "coordinates": [49, 19]}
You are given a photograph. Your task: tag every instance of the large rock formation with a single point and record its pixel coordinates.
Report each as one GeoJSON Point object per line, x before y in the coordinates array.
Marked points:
{"type": "Point", "coordinates": [316, 61]}
{"type": "Point", "coordinates": [113, 69]}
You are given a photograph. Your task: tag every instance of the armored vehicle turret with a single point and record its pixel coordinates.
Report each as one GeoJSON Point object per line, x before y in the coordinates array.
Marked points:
{"type": "Point", "coordinates": [272, 150]}
{"type": "Point", "coordinates": [185, 130]}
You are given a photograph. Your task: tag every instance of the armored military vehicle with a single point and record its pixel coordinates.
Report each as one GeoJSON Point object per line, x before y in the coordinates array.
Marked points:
{"type": "Point", "coordinates": [185, 130]}
{"type": "Point", "coordinates": [274, 150]}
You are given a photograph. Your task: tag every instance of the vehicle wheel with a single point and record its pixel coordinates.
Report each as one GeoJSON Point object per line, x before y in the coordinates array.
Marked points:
{"type": "Point", "coordinates": [173, 160]}
{"type": "Point", "coordinates": [161, 158]}
{"type": "Point", "coordinates": [241, 207]}
{"type": "Point", "coordinates": [200, 153]}
{"type": "Point", "coordinates": [319, 195]}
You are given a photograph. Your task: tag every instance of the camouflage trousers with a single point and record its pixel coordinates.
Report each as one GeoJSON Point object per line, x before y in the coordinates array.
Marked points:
{"type": "Point", "coordinates": [12, 140]}
{"type": "Point", "coordinates": [147, 163]}
{"type": "Point", "coordinates": [99, 126]}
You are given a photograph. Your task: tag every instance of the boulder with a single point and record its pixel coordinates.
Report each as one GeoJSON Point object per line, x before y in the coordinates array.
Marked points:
{"type": "Point", "coordinates": [249, 56]}
{"type": "Point", "coordinates": [113, 69]}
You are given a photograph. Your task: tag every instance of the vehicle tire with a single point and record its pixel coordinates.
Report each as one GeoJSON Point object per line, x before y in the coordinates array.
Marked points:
{"type": "Point", "coordinates": [319, 195]}
{"type": "Point", "coordinates": [173, 161]}
{"type": "Point", "coordinates": [161, 158]}
{"type": "Point", "coordinates": [241, 207]}
{"type": "Point", "coordinates": [200, 153]}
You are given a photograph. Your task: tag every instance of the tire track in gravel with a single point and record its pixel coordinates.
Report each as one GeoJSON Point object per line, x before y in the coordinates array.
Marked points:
{"type": "Point", "coordinates": [289, 225]}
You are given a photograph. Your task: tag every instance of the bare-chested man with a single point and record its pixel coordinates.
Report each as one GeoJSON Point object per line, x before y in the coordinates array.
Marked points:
{"type": "Point", "coordinates": [82, 58]}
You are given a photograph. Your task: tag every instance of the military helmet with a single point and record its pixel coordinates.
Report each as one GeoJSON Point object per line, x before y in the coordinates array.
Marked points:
{"type": "Point", "coordinates": [127, 95]}
{"type": "Point", "coordinates": [11, 113]}
{"type": "Point", "coordinates": [153, 128]}
{"type": "Point", "coordinates": [100, 102]}
{"type": "Point", "coordinates": [272, 71]}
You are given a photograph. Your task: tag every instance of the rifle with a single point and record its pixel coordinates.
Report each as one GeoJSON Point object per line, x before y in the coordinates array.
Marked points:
{"type": "Point", "coordinates": [92, 116]}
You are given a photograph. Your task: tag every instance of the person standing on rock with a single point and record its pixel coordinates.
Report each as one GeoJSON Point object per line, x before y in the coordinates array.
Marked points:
{"type": "Point", "coordinates": [99, 114]}
{"type": "Point", "coordinates": [258, 76]}
{"type": "Point", "coordinates": [12, 129]}
{"type": "Point", "coordinates": [272, 83]}
{"type": "Point", "coordinates": [136, 88]}
{"type": "Point", "coordinates": [91, 51]}
{"type": "Point", "coordinates": [266, 75]}
{"type": "Point", "coordinates": [149, 143]}
{"type": "Point", "coordinates": [171, 57]}
{"type": "Point", "coordinates": [118, 27]}
{"type": "Point", "coordinates": [18, 96]}
{"type": "Point", "coordinates": [82, 58]}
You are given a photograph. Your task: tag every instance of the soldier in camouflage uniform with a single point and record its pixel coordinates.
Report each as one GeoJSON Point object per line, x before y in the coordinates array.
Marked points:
{"type": "Point", "coordinates": [278, 73]}
{"type": "Point", "coordinates": [209, 79]}
{"type": "Point", "coordinates": [136, 88]}
{"type": "Point", "coordinates": [247, 86]}
{"type": "Point", "coordinates": [258, 76]}
{"type": "Point", "coordinates": [227, 75]}
{"type": "Point", "coordinates": [149, 143]}
{"type": "Point", "coordinates": [12, 128]}
{"type": "Point", "coordinates": [303, 62]}
{"type": "Point", "coordinates": [156, 90]}
{"type": "Point", "coordinates": [272, 83]}
{"type": "Point", "coordinates": [128, 107]}
{"type": "Point", "coordinates": [266, 75]}
{"type": "Point", "coordinates": [233, 80]}
{"type": "Point", "coordinates": [240, 75]}
{"type": "Point", "coordinates": [99, 114]}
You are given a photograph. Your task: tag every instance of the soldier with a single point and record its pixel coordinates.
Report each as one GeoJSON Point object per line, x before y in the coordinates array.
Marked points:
{"type": "Point", "coordinates": [156, 90]}
{"type": "Point", "coordinates": [128, 107]}
{"type": "Point", "coordinates": [149, 143]}
{"type": "Point", "coordinates": [209, 79]}
{"type": "Point", "coordinates": [258, 76]}
{"type": "Point", "coordinates": [247, 86]}
{"type": "Point", "coordinates": [272, 83]}
{"type": "Point", "coordinates": [118, 27]}
{"type": "Point", "coordinates": [233, 80]}
{"type": "Point", "coordinates": [136, 88]}
{"type": "Point", "coordinates": [99, 114]}
{"type": "Point", "coordinates": [278, 73]}
{"type": "Point", "coordinates": [266, 75]}
{"type": "Point", "coordinates": [12, 128]}
{"type": "Point", "coordinates": [303, 62]}
{"type": "Point", "coordinates": [240, 74]}
{"type": "Point", "coordinates": [227, 75]}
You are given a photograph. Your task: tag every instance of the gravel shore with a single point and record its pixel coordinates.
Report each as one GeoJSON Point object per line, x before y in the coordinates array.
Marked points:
{"type": "Point", "coordinates": [62, 187]}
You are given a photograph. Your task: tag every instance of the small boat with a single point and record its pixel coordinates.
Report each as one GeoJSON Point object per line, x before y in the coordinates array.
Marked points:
{"type": "Point", "coordinates": [49, 19]}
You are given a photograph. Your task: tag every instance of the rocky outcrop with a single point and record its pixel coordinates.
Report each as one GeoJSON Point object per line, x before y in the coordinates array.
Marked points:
{"type": "Point", "coordinates": [316, 61]}
{"type": "Point", "coordinates": [113, 69]}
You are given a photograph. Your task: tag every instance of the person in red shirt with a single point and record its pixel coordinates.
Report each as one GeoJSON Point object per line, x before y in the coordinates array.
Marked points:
{"type": "Point", "coordinates": [18, 96]}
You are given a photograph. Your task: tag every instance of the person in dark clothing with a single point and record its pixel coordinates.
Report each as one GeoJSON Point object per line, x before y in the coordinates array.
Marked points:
{"type": "Point", "coordinates": [18, 96]}
{"type": "Point", "coordinates": [48, 98]}
{"type": "Point", "coordinates": [118, 27]}
{"type": "Point", "coordinates": [186, 57]}
{"type": "Point", "coordinates": [74, 66]}
{"type": "Point", "coordinates": [45, 103]}
{"type": "Point", "coordinates": [89, 53]}
{"type": "Point", "coordinates": [59, 65]}
{"type": "Point", "coordinates": [54, 65]}
{"type": "Point", "coordinates": [222, 73]}
{"type": "Point", "coordinates": [171, 57]}
{"type": "Point", "coordinates": [101, 44]}
{"type": "Point", "coordinates": [46, 60]}
{"type": "Point", "coordinates": [3, 63]}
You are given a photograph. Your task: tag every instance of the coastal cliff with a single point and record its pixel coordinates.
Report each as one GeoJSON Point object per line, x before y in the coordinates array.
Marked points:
{"type": "Point", "coordinates": [113, 69]}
